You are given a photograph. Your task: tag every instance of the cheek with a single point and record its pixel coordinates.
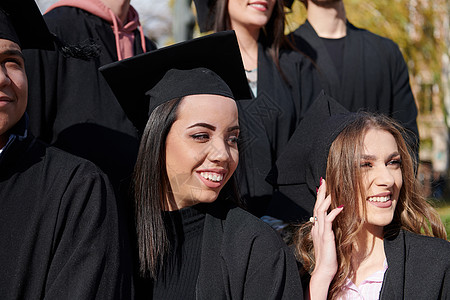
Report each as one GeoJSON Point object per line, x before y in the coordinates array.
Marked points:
{"type": "Point", "coordinates": [19, 80]}
{"type": "Point", "coordinates": [234, 159]}
{"type": "Point", "coordinates": [399, 179]}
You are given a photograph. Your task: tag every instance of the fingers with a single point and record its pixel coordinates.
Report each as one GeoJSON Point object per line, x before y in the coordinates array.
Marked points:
{"type": "Point", "coordinates": [321, 207]}
{"type": "Point", "coordinates": [322, 202]}
{"type": "Point", "coordinates": [333, 213]}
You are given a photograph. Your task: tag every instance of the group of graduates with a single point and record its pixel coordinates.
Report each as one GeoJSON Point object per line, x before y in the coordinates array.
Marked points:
{"type": "Point", "coordinates": [244, 164]}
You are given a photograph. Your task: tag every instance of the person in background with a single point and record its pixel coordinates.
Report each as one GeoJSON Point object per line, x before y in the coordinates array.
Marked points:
{"type": "Point", "coordinates": [62, 235]}
{"type": "Point", "coordinates": [284, 83]}
{"type": "Point", "coordinates": [71, 106]}
{"type": "Point", "coordinates": [193, 240]}
{"type": "Point", "coordinates": [361, 70]}
{"type": "Point", "coordinates": [371, 231]}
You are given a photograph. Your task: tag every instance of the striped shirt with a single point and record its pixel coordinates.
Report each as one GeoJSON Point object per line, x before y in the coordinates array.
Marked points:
{"type": "Point", "coordinates": [369, 289]}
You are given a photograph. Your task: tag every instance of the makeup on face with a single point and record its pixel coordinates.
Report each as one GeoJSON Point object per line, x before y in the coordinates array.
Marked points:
{"type": "Point", "coordinates": [201, 148]}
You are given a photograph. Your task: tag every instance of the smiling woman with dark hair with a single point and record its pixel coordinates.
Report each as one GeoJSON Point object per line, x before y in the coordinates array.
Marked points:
{"type": "Point", "coordinates": [284, 83]}
{"type": "Point", "coordinates": [193, 240]}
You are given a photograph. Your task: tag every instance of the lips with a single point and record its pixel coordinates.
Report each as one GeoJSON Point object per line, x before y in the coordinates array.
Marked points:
{"type": "Point", "coordinates": [212, 178]}
{"type": "Point", "coordinates": [5, 101]}
{"type": "Point", "coordinates": [259, 5]}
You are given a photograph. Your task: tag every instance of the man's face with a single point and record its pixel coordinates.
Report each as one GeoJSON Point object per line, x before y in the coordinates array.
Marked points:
{"type": "Point", "coordinates": [13, 87]}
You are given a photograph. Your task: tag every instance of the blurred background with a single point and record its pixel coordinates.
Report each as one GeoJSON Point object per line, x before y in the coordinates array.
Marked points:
{"type": "Point", "coordinates": [419, 27]}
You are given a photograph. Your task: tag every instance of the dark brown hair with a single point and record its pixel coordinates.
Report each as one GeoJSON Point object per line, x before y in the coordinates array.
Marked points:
{"type": "Point", "coordinates": [344, 180]}
{"type": "Point", "coordinates": [151, 188]}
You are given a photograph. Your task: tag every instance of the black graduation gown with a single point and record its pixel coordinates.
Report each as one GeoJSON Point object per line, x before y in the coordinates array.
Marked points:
{"type": "Point", "coordinates": [418, 267]}
{"type": "Point", "coordinates": [375, 75]}
{"type": "Point", "coordinates": [243, 258]}
{"type": "Point", "coordinates": [268, 121]}
{"type": "Point", "coordinates": [71, 105]}
{"type": "Point", "coordinates": [60, 234]}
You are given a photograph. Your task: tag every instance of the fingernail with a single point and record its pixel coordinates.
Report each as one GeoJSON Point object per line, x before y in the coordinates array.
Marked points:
{"type": "Point", "coordinates": [321, 179]}
{"type": "Point", "coordinates": [341, 206]}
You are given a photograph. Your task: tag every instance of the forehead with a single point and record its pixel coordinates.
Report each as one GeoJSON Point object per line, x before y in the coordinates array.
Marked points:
{"type": "Point", "coordinates": [208, 108]}
{"type": "Point", "coordinates": [378, 141]}
{"type": "Point", "coordinates": [7, 46]}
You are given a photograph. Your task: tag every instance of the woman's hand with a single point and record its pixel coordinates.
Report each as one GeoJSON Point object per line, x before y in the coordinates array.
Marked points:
{"type": "Point", "coordinates": [324, 245]}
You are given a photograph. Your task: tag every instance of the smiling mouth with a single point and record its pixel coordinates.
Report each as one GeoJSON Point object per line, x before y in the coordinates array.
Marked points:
{"type": "Point", "coordinates": [259, 5]}
{"type": "Point", "coordinates": [379, 199]}
{"type": "Point", "coordinates": [212, 176]}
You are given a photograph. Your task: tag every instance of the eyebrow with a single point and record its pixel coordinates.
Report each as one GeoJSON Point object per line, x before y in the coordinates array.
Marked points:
{"type": "Point", "coordinates": [13, 52]}
{"type": "Point", "coordinates": [206, 125]}
{"type": "Point", "coordinates": [211, 127]}
{"type": "Point", "coordinates": [373, 157]}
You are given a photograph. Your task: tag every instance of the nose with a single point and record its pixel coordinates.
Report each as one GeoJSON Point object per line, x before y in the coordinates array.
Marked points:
{"type": "Point", "coordinates": [219, 151]}
{"type": "Point", "coordinates": [4, 78]}
{"type": "Point", "coordinates": [384, 177]}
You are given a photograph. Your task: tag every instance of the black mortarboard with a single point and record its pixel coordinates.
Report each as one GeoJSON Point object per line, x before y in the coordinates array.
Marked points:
{"type": "Point", "coordinates": [299, 167]}
{"type": "Point", "coordinates": [210, 64]}
{"type": "Point", "coordinates": [206, 13]}
{"type": "Point", "coordinates": [22, 22]}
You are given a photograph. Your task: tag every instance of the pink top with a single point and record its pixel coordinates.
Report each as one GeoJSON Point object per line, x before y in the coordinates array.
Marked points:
{"type": "Point", "coordinates": [368, 289]}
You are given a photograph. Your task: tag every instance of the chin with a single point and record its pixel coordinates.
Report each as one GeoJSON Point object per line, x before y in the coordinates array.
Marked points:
{"type": "Point", "coordinates": [381, 222]}
{"type": "Point", "coordinates": [206, 196]}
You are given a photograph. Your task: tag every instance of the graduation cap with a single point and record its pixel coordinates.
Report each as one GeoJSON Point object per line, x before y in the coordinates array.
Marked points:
{"type": "Point", "coordinates": [206, 11]}
{"type": "Point", "coordinates": [22, 22]}
{"type": "Point", "coordinates": [299, 167]}
{"type": "Point", "coordinates": [210, 64]}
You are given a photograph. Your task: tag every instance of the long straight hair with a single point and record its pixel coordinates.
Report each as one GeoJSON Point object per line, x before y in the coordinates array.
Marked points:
{"type": "Point", "coordinates": [151, 187]}
{"type": "Point", "coordinates": [271, 35]}
{"type": "Point", "coordinates": [345, 180]}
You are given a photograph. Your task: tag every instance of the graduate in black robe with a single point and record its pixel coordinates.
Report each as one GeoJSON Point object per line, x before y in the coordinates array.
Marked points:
{"type": "Point", "coordinates": [285, 85]}
{"type": "Point", "coordinates": [269, 119]}
{"type": "Point", "coordinates": [61, 232]}
{"type": "Point", "coordinates": [419, 267]}
{"type": "Point", "coordinates": [194, 242]}
{"type": "Point", "coordinates": [367, 239]}
{"type": "Point", "coordinates": [71, 105]}
{"type": "Point", "coordinates": [361, 70]}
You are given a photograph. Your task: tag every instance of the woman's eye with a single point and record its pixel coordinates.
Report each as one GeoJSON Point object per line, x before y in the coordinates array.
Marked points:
{"type": "Point", "coordinates": [395, 162]}
{"type": "Point", "coordinates": [366, 165]}
{"type": "Point", "coordinates": [200, 137]}
{"type": "Point", "coordinates": [232, 140]}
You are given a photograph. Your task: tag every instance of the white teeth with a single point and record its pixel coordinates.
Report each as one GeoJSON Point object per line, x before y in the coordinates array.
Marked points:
{"type": "Point", "coordinates": [212, 176]}
{"type": "Point", "coordinates": [258, 5]}
{"type": "Point", "coordinates": [379, 199]}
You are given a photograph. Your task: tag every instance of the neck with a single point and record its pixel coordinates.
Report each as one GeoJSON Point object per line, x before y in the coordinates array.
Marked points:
{"type": "Point", "coordinates": [248, 44]}
{"type": "Point", "coordinates": [119, 8]}
{"type": "Point", "coordinates": [369, 241]}
{"type": "Point", "coordinates": [328, 20]}
{"type": "Point", "coordinates": [367, 255]}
